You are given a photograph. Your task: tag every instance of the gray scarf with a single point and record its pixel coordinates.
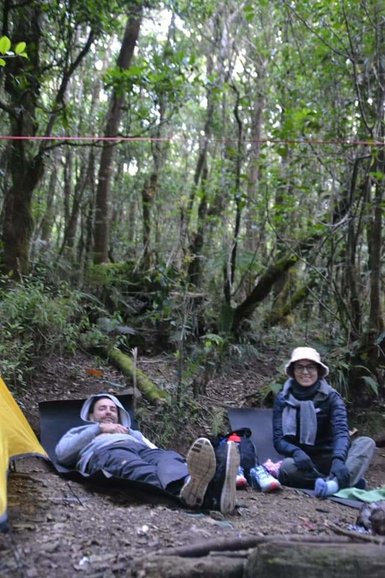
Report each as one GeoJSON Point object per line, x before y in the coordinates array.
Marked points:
{"type": "Point", "coordinates": [307, 414]}
{"type": "Point", "coordinates": [307, 420]}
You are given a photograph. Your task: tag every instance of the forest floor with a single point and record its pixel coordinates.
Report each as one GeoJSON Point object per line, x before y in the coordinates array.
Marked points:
{"type": "Point", "coordinates": [58, 526]}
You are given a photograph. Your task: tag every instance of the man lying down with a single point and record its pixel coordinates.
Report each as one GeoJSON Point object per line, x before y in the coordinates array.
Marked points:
{"type": "Point", "coordinates": [207, 479]}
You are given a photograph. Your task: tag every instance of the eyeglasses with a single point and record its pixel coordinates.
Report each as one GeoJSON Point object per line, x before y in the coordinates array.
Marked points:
{"type": "Point", "coordinates": [310, 368]}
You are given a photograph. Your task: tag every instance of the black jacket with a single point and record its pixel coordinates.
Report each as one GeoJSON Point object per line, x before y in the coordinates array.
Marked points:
{"type": "Point", "coordinates": [332, 424]}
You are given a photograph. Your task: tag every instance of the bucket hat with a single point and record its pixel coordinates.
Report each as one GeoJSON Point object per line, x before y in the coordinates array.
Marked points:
{"type": "Point", "coordinates": [306, 353]}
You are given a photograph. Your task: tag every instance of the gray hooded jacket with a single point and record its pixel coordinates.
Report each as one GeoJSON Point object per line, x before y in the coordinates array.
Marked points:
{"type": "Point", "coordinates": [78, 445]}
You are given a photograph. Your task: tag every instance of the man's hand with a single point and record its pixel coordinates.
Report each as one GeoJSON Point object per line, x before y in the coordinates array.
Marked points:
{"type": "Point", "coordinates": [303, 461]}
{"type": "Point", "coordinates": [113, 428]}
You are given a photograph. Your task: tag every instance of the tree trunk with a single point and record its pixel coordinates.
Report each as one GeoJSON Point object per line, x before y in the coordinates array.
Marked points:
{"type": "Point", "coordinates": [26, 169]}
{"type": "Point", "coordinates": [101, 235]}
{"type": "Point", "coordinates": [23, 85]}
{"type": "Point", "coordinates": [262, 289]}
{"type": "Point", "coordinates": [74, 203]}
{"type": "Point", "coordinates": [150, 188]}
{"type": "Point", "coordinates": [196, 245]}
{"type": "Point", "coordinates": [200, 178]}
{"type": "Point", "coordinates": [376, 320]}
{"type": "Point", "coordinates": [230, 269]}
{"type": "Point", "coordinates": [48, 217]}
{"type": "Point", "coordinates": [17, 211]}
{"type": "Point", "coordinates": [285, 307]}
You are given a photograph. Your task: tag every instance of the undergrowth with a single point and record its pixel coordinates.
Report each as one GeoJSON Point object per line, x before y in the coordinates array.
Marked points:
{"type": "Point", "coordinates": [36, 321]}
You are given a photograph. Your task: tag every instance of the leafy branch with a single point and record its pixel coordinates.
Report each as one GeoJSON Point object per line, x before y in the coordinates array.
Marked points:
{"type": "Point", "coordinates": [6, 52]}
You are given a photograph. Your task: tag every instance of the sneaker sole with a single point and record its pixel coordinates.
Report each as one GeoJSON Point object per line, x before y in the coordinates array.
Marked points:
{"type": "Point", "coordinates": [201, 465]}
{"type": "Point", "coordinates": [272, 487]}
{"type": "Point", "coordinates": [227, 501]}
{"type": "Point", "coordinates": [241, 484]}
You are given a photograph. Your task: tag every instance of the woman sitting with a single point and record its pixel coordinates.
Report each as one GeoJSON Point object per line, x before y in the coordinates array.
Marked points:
{"type": "Point", "coordinates": [310, 428]}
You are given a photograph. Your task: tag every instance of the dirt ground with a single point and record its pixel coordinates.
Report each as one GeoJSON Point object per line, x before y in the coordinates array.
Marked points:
{"type": "Point", "coordinates": [58, 526]}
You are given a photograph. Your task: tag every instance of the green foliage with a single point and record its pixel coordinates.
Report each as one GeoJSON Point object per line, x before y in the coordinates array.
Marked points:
{"type": "Point", "coordinates": [268, 391]}
{"type": "Point", "coordinates": [372, 384]}
{"type": "Point", "coordinates": [94, 340]}
{"type": "Point", "coordinates": [164, 426]}
{"type": "Point", "coordinates": [35, 322]}
{"type": "Point", "coordinates": [107, 274]}
{"type": "Point", "coordinates": [348, 375]}
{"type": "Point", "coordinates": [6, 52]}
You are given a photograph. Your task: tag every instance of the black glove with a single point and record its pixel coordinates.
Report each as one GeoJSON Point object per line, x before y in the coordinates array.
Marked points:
{"type": "Point", "coordinates": [340, 472]}
{"type": "Point", "coordinates": [303, 461]}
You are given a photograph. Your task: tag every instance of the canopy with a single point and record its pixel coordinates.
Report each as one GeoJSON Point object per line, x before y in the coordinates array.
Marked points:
{"type": "Point", "coordinates": [16, 439]}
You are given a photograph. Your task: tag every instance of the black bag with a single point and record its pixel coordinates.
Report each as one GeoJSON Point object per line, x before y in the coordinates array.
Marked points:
{"type": "Point", "coordinates": [248, 454]}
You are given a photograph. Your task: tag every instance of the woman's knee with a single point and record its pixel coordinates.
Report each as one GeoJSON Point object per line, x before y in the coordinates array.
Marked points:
{"type": "Point", "coordinates": [290, 475]}
{"type": "Point", "coordinates": [364, 444]}
{"type": "Point", "coordinates": [287, 471]}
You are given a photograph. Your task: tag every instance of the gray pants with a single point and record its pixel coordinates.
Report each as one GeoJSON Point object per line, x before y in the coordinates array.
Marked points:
{"type": "Point", "coordinates": [161, 468]}
{"type": "Point", "coordinates": [358, 460]}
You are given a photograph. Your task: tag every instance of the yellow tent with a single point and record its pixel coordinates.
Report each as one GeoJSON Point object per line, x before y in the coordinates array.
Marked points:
{"type": "Point", "coordinates": [16, 439]}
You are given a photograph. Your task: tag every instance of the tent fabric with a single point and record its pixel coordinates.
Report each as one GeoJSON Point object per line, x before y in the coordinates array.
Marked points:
{"type": "Point", "coordinates": [260, 421]}
{"type": "Point", "coordinates": [17, 439]}
{"type": "Point", "coordinates": [58, 416]}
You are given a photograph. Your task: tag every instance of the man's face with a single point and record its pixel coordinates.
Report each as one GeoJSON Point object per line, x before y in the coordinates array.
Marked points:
{"type": "Point", "coordinates": [104, 411]}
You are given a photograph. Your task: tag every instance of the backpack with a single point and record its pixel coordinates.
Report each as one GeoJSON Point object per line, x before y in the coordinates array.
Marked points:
{"type": "Point", "coordinates": [248, 454]}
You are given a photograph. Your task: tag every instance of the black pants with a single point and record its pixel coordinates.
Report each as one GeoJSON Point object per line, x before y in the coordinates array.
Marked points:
{"type": "Point", "coordinates": [164, 469]}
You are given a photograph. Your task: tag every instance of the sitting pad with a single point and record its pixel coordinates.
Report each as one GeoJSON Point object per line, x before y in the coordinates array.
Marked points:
{"type": "Point", "coordinates": [260, 421]}
{"type": "Point", "coordinates": [58, 416]}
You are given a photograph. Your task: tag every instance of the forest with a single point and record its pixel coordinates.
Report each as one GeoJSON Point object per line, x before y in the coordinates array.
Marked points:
{"type": "Point", "coordinates": [202, 177]}
{"type": "Point", "coordinates": [189, 190]}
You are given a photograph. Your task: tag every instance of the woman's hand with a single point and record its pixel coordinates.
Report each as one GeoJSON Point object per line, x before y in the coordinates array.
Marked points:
{"type": "Point", "coordinates": [113, 428]}
{"type": "Point", "coordinates": [341, 472]}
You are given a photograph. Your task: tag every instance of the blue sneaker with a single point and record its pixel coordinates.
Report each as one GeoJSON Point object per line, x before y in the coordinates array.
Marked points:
{"type": "Point", "coordinates": [241, 481]}
{"type": "Point", "coordinates": [262, 480]}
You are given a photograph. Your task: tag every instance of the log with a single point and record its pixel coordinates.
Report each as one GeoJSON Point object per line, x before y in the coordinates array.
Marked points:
{"type": "Point", "coordinates": [126, 365]}
{"type": "Point", "coordinates": [317, 560]}
{"type": "Point", "coordinates": [272, 557]}
{"type": "Point", "coordinates": [170, 567]}
{"type": "Point", "coordinates": [242, 543]}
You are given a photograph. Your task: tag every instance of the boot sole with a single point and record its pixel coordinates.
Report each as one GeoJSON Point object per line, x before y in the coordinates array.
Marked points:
{"type": "Point", "coordinates": [201, 465]}
{"type": "Point", "coordinates": [228, 494]}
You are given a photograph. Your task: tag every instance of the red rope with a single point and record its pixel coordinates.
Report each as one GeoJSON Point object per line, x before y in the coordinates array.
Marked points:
{"type": "Point", "coordinates": [371, 143]}
{"type": "Point", "coordinates": [108, 138]}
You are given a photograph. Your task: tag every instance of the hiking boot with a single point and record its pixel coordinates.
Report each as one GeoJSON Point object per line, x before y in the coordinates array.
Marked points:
{"type": "Point", "coordinates": [262, 480]}
{"type": "Point", "coordinates": [201, 465]}
{"type": "Point", "coordinates": [227, 498]}
{"type": "Point", "coordinates": [241, 482]}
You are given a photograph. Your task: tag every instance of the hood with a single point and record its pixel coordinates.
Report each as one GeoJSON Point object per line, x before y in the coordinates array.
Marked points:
{"type": "Point", "coordinates": [124, 416]}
